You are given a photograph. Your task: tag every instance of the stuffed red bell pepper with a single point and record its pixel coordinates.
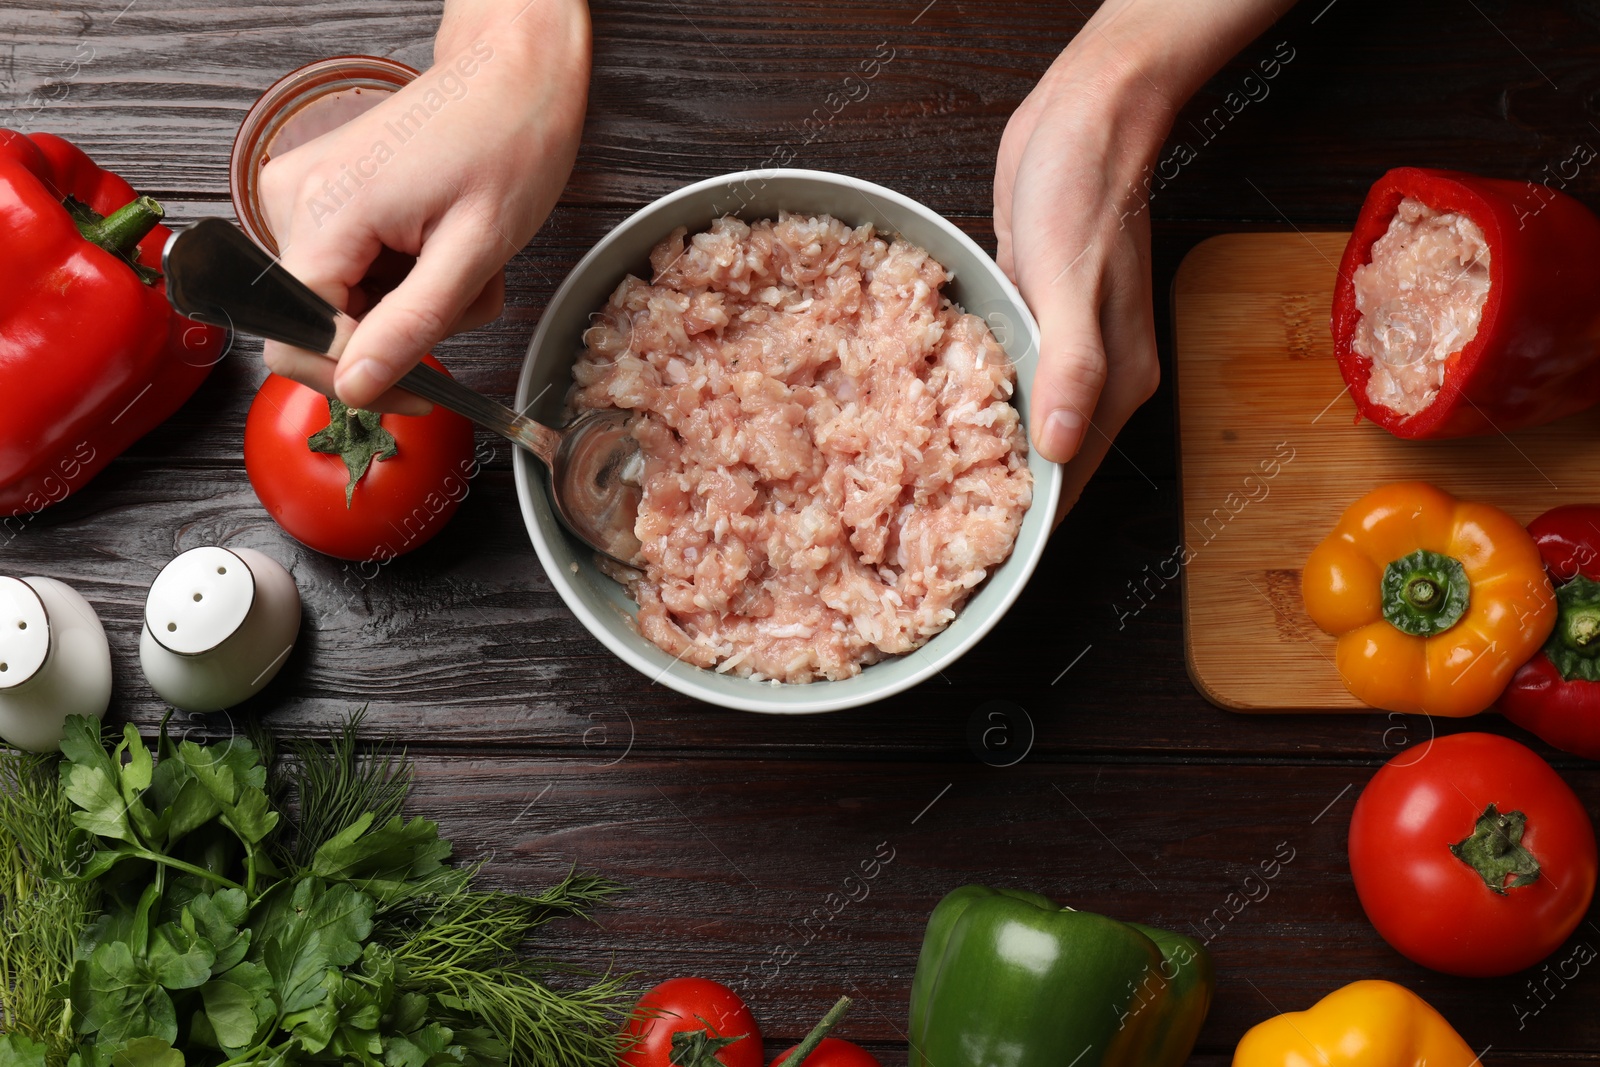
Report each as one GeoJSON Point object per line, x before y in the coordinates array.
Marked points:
{"type": "Point", "coordinates": [92, 357]}
{"type": "Point", "coordinates": [1468, 305]}
{"type": "Point", "coordinates": [1556, 694]}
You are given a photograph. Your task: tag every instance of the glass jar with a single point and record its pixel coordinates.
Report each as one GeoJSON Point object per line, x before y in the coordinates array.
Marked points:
{"type": "Point", "coordinates": [303, 104]}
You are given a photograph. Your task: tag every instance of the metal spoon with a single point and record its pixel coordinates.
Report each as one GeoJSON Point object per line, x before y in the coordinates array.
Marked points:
{"type": "Point", "coordinates": [217, 275]}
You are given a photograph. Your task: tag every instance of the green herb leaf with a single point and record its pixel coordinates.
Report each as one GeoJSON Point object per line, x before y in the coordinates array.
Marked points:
{"type": "Point", "coordinates": [233, 774]}
{"type": "Point", "coordinates": [345, 1023]}
{"type": "Point", "coordinates": [184, 803]}
{"type": "Point", "coordinates": [137, 771]}
{"type": "Point", "coordinates": [147, 1052]}
{"type": "Point", "coordinates": [93, 783]}
{"type": "Point", "coordinates": [336, 784]}
{"type": "Point", "coordinates": [19, 1051]}
{"type": "Point", "coordinates": [316, 927]}
{"type": "Point", "coordinates": [101, 861]}
{"type": "Point", "coordinates": [217, 917]}
{"type": "Point", "coordinates": [123, 1000]}
{"type": "Point", "coordinates": [238, 1004]}
{"type": "Point", "coordinates": [430, 1046]}
{"type": "Point", "coordinates": [386, 862]}
{"type": "Point", "coordinates": [43, 910]}
{"type": "Point", "coordinates": [178, 959]}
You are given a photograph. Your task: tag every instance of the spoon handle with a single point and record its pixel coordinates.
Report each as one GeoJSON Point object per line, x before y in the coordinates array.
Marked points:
{"type": "Point", "coordinates": [492, 415]}
{"type": "Point", "coordinates": [217, 275]}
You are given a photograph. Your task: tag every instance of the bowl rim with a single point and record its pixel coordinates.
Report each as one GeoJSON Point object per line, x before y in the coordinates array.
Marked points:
{"type": "Point", "coordinates": [525, 470]}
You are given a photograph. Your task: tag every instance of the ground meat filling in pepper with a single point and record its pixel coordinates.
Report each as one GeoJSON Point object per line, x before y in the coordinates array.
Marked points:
{"type": "Point", "coordinates": [832, 460]}
{"type": "Point", "coordinates": [1420, 299]}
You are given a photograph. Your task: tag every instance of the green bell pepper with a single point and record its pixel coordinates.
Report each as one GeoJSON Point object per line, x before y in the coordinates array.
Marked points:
{"type": "Point", "coordinates": [1008, 977]}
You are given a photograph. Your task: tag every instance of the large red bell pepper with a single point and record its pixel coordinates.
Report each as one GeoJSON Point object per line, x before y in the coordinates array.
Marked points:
{"type": "Point", "coordinates": [92, 357]}
{"type": "Point", "coordinates": [1536, 355]}
{"type": "Point", "coordinates": [1556, 694]}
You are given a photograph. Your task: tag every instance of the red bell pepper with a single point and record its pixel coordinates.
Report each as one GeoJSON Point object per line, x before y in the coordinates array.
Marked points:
{"type": "Point", "coordinates": [92, 356]}
{"type": "Point", "coordinates": [1536, 355]}
{"type": "Point", "coordinates": [1556, 694]}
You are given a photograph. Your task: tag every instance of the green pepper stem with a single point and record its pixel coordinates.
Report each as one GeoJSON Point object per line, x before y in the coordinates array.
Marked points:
{"type": "Point", "coordinates": [818, 1032]}
{"type": "Point", "coordinates": [1422, 593]}
{"type": "Point", "coordinates": [123, 229]}
{"type": "Point", "coordinates": [1574, 645]}
{"type": "Point", "coordinates": [1583, 626]}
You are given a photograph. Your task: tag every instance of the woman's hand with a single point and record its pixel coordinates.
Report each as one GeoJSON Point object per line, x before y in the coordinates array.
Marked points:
{"type": "Point", "coordinates": [458, 169]}
{"type": "Point", "coordinates": [1071, 209]}
{"type": "Point", "coordinates": [1076, 239]}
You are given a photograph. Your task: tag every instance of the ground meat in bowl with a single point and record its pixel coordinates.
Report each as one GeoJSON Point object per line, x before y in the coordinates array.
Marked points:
{"type": "Point", "coordinates": [832, 460]}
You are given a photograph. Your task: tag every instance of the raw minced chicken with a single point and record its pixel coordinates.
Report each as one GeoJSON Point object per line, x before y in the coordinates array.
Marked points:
{"type": "Point", "coordinates": [832, 459]}
{"type": "Point", "coordinates": [1421, 298]}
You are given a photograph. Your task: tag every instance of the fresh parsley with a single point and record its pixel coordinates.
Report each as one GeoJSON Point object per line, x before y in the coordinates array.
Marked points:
{"type": "Point", "coordinates": [176, 916]}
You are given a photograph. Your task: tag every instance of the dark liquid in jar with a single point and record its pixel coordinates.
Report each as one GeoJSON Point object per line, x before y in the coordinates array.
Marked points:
{"type": "Point", "coordinates": [320, 116]}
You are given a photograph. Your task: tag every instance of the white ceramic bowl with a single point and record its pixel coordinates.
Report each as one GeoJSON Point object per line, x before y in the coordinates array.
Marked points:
{"type": "Point", "coordinates": [977, 285]}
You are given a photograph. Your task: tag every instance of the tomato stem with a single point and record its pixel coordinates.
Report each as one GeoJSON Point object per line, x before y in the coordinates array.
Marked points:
{"type": "Point", "coordinates": [357, 436]}
{"type": "Point", "coordinates": [699, 1048]}
{"type": "Point", "coordinates": [818, 1032]}
{"type": "Point", "coordinates": [1494, 849]}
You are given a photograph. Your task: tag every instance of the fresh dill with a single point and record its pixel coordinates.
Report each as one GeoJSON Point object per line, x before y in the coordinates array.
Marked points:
{"type": "Point", "coordinates": [172, 912]}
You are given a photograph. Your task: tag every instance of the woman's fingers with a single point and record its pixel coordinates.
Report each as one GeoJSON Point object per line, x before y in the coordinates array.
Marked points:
{"type": "Point", "coordinates": [1072, 359]}
{"type": "Point", "coordinates": [486, 307]}
{"type": "Point", "coordinates": [451, 275]}
{"type": "Point", "coordinates": [1133, 372]}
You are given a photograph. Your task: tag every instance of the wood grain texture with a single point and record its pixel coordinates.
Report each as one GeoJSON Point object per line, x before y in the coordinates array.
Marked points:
{"type": "Point", "coordinates": [683, 92]}
{"type": "Point", "coordinates": [1270, 459]}
{"type": "Point", "coordinates": [756, 873]}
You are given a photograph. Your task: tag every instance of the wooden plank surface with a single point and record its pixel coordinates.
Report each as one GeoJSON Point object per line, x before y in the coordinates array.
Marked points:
{"type": "Point", "coordinates": [463, 651]}
{"type": "Point", "coordinates": [1271, 457]}
{"type": "Point", "coordinates": [733, 871]}
{"type": "Point", "coordinates": [681, 93]}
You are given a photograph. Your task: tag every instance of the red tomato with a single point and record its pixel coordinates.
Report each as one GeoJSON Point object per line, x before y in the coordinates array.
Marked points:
{"type": "Point", "coordinates": [833, 1052]}
{"type": "Point", "coordinates": [1435, 907]}
{"type": "Point", "coordinates": [685, 1004]}
{"type": "Point", "coordinates": [398, 504]}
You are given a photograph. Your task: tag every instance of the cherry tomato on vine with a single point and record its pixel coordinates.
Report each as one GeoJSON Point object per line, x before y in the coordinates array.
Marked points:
{"type": "Point", "coordinates": [833, 1052]}
{"type": "Point", "coordinates": [1471, 856]}
{"type": "Point", "coordinates": [688, 1006]}
{"type": "Point", "coordinates": [354, 484]}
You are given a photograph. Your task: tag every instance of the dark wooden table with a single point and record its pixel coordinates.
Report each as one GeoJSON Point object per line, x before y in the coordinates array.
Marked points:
{"type": "Point", "coordinates": [736, 832]}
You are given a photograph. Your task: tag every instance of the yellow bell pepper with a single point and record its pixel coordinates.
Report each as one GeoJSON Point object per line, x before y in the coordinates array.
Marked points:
{"type": "Point", "coordinates": [1435, 601]}
{"type": "Point", "coordinates": [1365, 1024]}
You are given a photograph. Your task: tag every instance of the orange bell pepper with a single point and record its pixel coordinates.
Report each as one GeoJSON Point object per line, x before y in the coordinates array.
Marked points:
{"type": "Point", "coordinates": [1435, 601]}
{"type": "Point", "coordinates": [1365, 1024]}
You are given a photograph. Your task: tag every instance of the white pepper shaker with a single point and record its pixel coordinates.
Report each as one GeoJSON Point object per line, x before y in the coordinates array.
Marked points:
{"type": "Point", "coordinates": [54, 661]}
{"type": "Point", "coordinates": [218, 625]}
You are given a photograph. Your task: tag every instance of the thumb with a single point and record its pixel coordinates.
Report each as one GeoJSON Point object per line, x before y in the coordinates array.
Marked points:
{"type": "Point", "coordinates": [455, 265]}
{"type": "Point", "coordinates": [1072, 369]}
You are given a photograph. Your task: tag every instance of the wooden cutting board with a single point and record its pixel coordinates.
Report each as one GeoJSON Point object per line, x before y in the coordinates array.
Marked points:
{"type": "Point", "coordinates": [1270, 457]}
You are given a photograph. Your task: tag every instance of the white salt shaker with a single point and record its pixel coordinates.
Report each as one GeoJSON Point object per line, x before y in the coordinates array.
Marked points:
{"type": "Point", "coordinates": [218, 625]}
{"type": "Point", "coordinates": [54, 661]}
